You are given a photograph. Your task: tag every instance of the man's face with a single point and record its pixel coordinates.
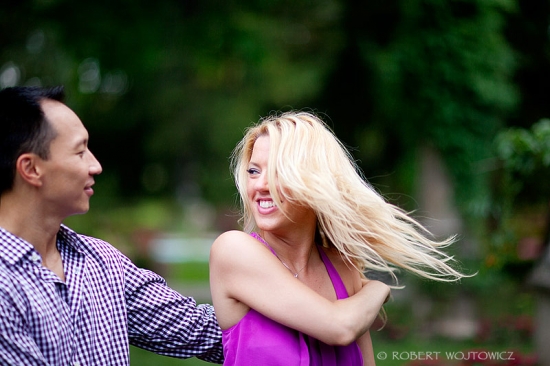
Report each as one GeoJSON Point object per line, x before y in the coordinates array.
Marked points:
{"type": "Point", "coordinates": [68, 174]}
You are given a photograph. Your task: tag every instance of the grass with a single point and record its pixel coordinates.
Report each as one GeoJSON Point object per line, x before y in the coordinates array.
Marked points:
{"type": "Point", "coordinates": [140, 357]}
{"type": "Point", "coordinates": [189, 271]}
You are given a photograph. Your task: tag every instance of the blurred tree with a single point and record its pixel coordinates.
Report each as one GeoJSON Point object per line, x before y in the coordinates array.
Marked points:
{"type": "Point", "coordinates": [521, 198]}
{"type": "Point", "coordinates": [167, 87]}
{"type": "Point", "coordinates": [519, 217]}
{"type": "Point", "coordinates": [425, 72]}
{"type": "Point", "coordinates": [528, 32]}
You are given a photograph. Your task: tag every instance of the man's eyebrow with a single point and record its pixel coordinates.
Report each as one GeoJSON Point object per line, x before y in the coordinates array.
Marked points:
{"type": "Point", "coordinates": [81, 142]}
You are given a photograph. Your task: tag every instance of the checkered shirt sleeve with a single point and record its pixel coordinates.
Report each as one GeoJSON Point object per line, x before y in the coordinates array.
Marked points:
{"type": "Point", "coordinates": [105, 304]}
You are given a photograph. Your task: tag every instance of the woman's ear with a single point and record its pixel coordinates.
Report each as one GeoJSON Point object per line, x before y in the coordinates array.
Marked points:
{"type": "Point", "coordinates": [26, 167]}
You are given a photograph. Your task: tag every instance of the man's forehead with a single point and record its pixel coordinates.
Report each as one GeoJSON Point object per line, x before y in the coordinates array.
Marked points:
{"type": "Point", "coordinates": [50, 105]}
{"type": "Point", "coordinates": [57, 112]}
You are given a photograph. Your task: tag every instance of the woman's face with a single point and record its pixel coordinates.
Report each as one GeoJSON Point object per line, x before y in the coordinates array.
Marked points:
{"type": "Point", "coordinates": [267, 215]}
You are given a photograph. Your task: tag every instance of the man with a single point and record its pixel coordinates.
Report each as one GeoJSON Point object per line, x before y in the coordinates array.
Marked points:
{"type": "Point", "coordinates": [65, 298]}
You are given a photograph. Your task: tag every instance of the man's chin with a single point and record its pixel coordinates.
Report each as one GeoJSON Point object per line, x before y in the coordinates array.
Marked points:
{"type": "Point", "coordinates": [81, 211]}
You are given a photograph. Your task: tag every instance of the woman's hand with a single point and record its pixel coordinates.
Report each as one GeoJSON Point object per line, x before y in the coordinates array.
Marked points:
{"type": "Point", "coordinates": [380, 285]}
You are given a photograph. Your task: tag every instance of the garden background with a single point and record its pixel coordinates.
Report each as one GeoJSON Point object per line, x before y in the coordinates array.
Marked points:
{"type": "Point", "coordinates": [442, 103]}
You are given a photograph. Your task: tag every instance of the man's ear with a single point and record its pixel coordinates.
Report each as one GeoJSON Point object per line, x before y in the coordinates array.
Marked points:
{"type": "Point", "coordinates": [27, 168]}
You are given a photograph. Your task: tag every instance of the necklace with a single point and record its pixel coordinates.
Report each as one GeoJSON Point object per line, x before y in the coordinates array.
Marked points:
{"type": "Point", "coordinates": [287, 267]}
{"type": "Point", "coordinates": [257, 236]}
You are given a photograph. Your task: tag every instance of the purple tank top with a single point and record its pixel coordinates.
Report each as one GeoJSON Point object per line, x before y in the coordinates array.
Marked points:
{"type": "Point", "coordinates": [257, 340]}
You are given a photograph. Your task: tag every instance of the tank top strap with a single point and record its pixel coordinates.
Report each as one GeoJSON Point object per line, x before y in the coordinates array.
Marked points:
{"type": "Point", "coordinates": [337, 283]}
{"type": "Point", "coordinates": [261, 240]}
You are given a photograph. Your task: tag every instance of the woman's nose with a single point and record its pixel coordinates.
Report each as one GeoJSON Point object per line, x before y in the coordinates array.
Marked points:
{"type": "Point", "coordinates": [261, 182]}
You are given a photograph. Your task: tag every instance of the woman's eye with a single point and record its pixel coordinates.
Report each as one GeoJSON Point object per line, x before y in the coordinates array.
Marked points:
{"type": "Point", "coordinates": [252, 171]}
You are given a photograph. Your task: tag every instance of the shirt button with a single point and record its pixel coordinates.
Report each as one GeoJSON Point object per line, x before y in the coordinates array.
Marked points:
{"type": "Point", "coordinates": [35, 257]}
{"type": "Point", "coordinates": [76, 364]}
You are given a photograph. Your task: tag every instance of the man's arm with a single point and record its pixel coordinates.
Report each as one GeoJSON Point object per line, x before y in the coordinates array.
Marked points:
{"type": "Point", "coordinates": [17, 347]}
{"type": "Point", "coordinates": [163, 321]}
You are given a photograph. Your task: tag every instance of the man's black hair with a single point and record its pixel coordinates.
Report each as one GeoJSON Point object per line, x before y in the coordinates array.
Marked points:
{"type": "Point", "coordinates": [23, 127]}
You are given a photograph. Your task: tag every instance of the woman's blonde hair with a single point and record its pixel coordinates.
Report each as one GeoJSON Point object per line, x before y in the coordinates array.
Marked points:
{"type": "Point", "coordinates": [311, 167]}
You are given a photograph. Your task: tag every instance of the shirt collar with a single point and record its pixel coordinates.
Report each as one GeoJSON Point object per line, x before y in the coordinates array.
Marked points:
{"type": "Point", "coordinates": [14, 248]}
{"type": "Point", "coordinates": [70, 238]}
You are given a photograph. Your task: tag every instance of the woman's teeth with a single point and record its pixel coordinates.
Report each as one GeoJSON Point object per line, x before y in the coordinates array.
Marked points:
{"type": "Point", "coordinates": [267, 204]}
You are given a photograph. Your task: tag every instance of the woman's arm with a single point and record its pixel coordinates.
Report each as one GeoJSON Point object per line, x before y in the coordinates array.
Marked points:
{"type": "Point", "coordinates": [365, 344]}
{"type": "Point", "coordinates": [245, 274]}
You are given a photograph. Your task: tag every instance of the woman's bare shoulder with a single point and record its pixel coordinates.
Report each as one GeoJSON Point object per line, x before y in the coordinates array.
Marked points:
{"type": "Point", "coordinates": [232, 235]}
{"type": "Point", "coordinates": [234, 238]}
{"type": "Point", "coordinates": [234, 243]}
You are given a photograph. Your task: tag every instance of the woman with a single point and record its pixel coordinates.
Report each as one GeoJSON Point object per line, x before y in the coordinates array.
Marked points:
{"type": "Point", "coordinates": [288, 290]}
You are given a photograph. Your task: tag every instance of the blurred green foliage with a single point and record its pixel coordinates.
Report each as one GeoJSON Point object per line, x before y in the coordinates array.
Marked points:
{"type": "Point", "coordinates": [166, 88]}
{"type": "Point", "coordinates": [520, 197]}
{"type": "Point", "coordinates": [444, 78]}
{"type": "Point", "coordinates": [140, 357]}
{"type": "Point", "coordinates": [525, 151]}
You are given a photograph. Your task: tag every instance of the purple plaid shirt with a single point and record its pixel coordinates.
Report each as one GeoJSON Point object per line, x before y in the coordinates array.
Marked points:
{"type": "Point", "coordinates": [105, 303]}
